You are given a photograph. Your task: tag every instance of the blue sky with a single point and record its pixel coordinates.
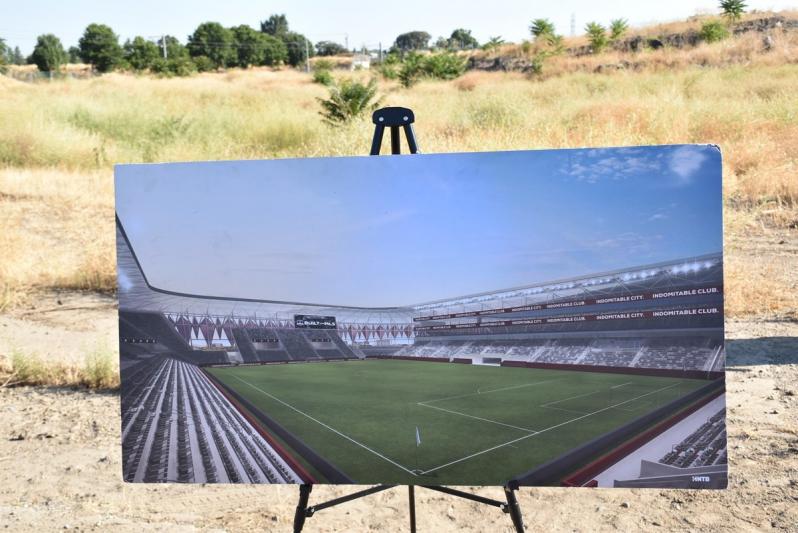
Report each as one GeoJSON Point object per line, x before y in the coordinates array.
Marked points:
{"type": "Point", "coordinates": [362, 22]}
{"type": "Point", "coordinates": [400, 230]}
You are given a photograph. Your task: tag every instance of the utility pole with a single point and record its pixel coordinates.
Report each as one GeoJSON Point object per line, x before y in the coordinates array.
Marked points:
{"type": "Point", "coordinates": [573, 24]}
{"type": "Point", "coordinates": [379, 53]}
{"type": "Point", "coordinates": [346, 41]}
{"type": "Point", "coordinates": [307, 56]}
{"type": "Point", "coordinates": [163, 45]}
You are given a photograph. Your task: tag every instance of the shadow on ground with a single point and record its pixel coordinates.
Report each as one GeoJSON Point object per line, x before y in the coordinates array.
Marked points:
{"type": "Point", "coordinates": [762, 351]}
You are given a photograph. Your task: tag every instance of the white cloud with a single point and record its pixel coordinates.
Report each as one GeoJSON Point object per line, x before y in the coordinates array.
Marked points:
{"type": "Point", "coordinates": [602, 164]}
{"type": "Point", "coordinates": [685, 161]}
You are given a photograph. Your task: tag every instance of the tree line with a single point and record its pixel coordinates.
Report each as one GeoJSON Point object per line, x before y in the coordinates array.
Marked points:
{"type": "Point", "coordinates": [212, 46]}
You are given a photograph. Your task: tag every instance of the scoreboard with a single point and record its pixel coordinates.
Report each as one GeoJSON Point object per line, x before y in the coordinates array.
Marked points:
{"type": "Point", "coordinates": [314, 322]}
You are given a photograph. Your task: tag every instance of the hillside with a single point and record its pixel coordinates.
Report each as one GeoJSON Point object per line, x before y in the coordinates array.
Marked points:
{"type": "Point", "coordinates": [759, 38]}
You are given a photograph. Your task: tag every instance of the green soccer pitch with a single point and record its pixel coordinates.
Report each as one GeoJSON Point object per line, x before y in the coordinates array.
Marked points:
{"type": "Point", "coordinates": [478, 425]}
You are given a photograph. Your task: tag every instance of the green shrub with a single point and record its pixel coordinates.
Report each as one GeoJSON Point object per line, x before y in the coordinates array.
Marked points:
{"type": "Point", "coordinates": [204, 63]}
{"type": "Point", "coordinates": [440, 66]}
{"type": "Point", "coordinates": [323, 64]}
{"type": "Point", "coordinates": [349, 100]}
{"type": "Point", "coordinates": [536, 67]}
{"type": "Point", "coordinates": [181, 66]}
{"type": "Point", "coordinates": [443, 66]}
{"type": "Point", "coordinates": [389, 67]}
{"type": "Point", "coordinates": [323, 76]}
{"type": "Point", "coordinates": [411, 70]}
{"type": "Point", "coordinates": [713, 32]}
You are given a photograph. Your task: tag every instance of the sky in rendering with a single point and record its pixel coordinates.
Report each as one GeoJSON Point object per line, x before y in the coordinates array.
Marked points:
{"type": "Point", "coordinates": [358, 23]}
{"type": "Point", "coordinates": [401, 230]}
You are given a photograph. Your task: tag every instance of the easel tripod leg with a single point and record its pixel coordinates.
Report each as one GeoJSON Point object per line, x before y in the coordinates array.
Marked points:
{"type": "Point", "coordinates": [301, 507]}
{"type": "Point", "coordinates": [514, 509]}
{"type": "Point", "coordinates": [411, 500]}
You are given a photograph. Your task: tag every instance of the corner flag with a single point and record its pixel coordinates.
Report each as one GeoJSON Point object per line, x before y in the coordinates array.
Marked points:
{"type": "Point", "coordinates": [418, 438]}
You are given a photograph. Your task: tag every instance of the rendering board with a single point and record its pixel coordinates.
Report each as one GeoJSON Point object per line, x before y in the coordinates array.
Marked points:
{"type": "Point", "coordinates": [546, 317]}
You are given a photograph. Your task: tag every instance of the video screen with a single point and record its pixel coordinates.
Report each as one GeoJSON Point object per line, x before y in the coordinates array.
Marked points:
{"type": "Point", "coordinates": [551, 318]}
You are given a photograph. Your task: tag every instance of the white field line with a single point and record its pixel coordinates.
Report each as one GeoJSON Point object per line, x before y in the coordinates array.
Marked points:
{"type": "Point", "coordinates": [622, 385]}
{"type": "Point", "coordinates": [566, 410]}
{"type": "Point", "coordinates": [571, 398]}
{"type": "Point", "coordinates": [347, 437]}
{"type": "Point", "coordinates": [486, 392]}
{"type": "Point", "coordinates": [477, 418]}
{"type": "Point", "coordinates": [547, 429]}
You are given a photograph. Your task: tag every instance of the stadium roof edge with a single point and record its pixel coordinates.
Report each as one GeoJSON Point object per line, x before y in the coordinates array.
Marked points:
{"type": "Point", "coordinates": [237, 299]}
{"type": "Point", "coordinates": [407, 308]}
{"type": "Point", "coordinates": [587, 277]}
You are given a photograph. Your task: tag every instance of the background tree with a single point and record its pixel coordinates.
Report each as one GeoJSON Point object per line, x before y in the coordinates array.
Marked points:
{"type": "Point", "coordinates": [49, 54]}
{"type": "Point", "coordinates": [546, 38]}
{"type": "Point", "coordinates": [597, 35]}
{"type": "Point", "coordinates": [493, 43]}
{"type": "Point", "coordinates": [275, 52]}
{"type": "Point", "coordinates": [3, 52]}
{"type": "Point", "coordinates": [141, 54]}
{"type": "Point", "coordinates": [542, 29]}
{"type": "Point", "coordinates": [330, 48]}
{"type": "Point", "coordinates": [177, 62]}
{"type": "Point", "coordinates": [99, 47]}
{"type": "Point", "coordinates": [74, 54]}
{"type": "Point", "coordinates": [441, 43]}
{"type": "Point", "coordinates": [461, 39]}
{"type": "Point", "coordinates": [214, 41]}
{"type": "Point", "coordinates": [275, 25]}
{"type": "Point", "coordinates": [299, 48]}
{"type": "Point", "coordinates": [174, 48]}
{"type": "Point", "coordinates": [15, 56]}
{"type": "Point", "coordinates": [412, 40]}
{"type": "Point", "coordinates": [250, 46]}
{"type": "Point", "coordinates": [733, 9]}
{"type": "Point", "coordinates": [618, 28]}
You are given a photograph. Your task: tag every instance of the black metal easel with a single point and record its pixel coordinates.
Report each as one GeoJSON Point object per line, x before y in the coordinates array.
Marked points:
{"type": "Point", "coordinates": [395, 118]}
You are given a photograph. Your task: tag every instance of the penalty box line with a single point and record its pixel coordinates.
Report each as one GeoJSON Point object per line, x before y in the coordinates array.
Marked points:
{"type": "Point", "coordinates": [347, 437]}
{"type": "Point", "coordinates": [488, 420]}
{"type": "Point", "coordinates": [477, 418]}
{"type": "Point", "coordinates": [467, 457]}
{"type": "Point", "coordinates": [489, 391]}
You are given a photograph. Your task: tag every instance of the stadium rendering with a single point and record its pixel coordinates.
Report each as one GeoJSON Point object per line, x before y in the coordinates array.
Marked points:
{"type": "Point", "coordinates": [609, 379]}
